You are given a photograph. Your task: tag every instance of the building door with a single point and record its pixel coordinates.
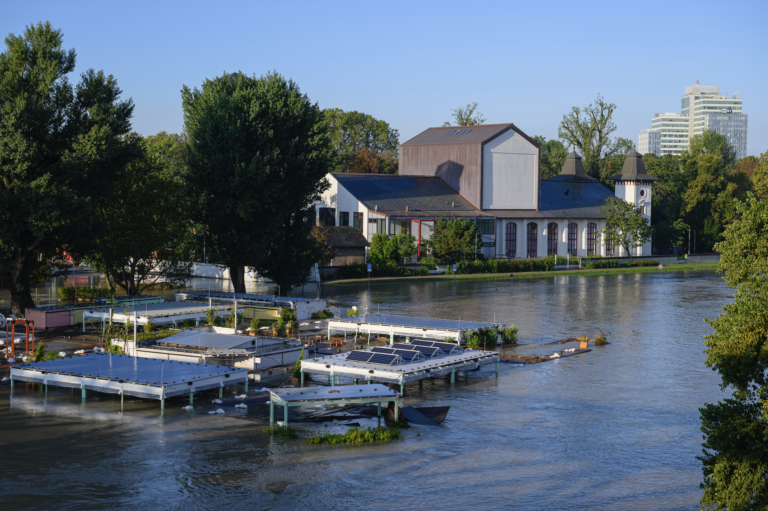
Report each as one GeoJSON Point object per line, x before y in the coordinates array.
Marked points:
{"type": "Point", "coordinates": [552, 239]}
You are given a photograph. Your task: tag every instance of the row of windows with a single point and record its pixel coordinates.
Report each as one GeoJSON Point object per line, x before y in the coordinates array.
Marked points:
{"type": "Point", "coordinates": [328, 218]}
{"type": "Point", "coordinates": [532, 239]}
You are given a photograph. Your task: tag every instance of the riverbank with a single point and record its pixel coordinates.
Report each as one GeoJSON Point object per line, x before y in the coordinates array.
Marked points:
{"type": "Point", "coordinates": [553, 273]}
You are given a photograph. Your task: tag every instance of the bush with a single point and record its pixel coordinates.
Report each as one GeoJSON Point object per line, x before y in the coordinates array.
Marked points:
{"type": "Point", "coordinates": [582, 338]}
{"type": "Point", "coordinates": [600, 340]}
{"type": "Point", "coordinates": [387, 269]}
{"type": "Point", "coordinates": [149, 327]}
{"type": "Point", "coordinates": [328, 314]}
{"type": "Point", "coordinates": [503, 266]}
{"type": "Point", "coordinates": [287, 319]}
{"type": "Point", "coordinates": [297, 367]}
{"type": "Point", "coordinates": [508, 334]}
{"type": "Point", "coordinates": [88, 293]}
{"type": "Point", "coordinates": [255, 325]}
{"type": "Point", "coordinates": [187, 323]}
{"type": "Point", "coordinates": [111, 348]}
{"type": "Point", "coordinates": [481, 338]}
{"type": "Point", "coordinates": [318, 315]}
{"type": "Point", "coordinates": [358, 436]}
{"type": "Point", "coordinates": [39, 352]}
{"type": "Point", "coordinates": [609, 263]}
{"type": "Point", "coordinates": [353, 313]}
{"type": "Point", "coordinates": [281, 432]}
{"type": "Point", "coordinates": [279, 330]}
{"type": "Point", "coordinates": [51, 355]}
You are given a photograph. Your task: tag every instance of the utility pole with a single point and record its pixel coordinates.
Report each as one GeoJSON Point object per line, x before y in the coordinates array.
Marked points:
{"type": "Point", "coordinates": [689, 241]}
{"type": "Point", "coordinates": [475, 246]}
{"type": "Point", "coordinates": [694, 241]}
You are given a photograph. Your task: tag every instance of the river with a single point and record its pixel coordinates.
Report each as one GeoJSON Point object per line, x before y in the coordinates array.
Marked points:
{"type": "Point", "coordinates": [616, 428]}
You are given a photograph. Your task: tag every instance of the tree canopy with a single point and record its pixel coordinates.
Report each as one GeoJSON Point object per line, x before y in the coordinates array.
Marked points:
{"type": "Point", "coordinates": [466, 116]}
{"type": "Point", "coordinates": [453, 240]}
{"type": "Point", "coordinates": [61, 147]}
{"type": "Point", "coordinates": [361, 143]}
{"type": "Point", "coordinates": [258, 152]}
{"type": "Point", "coordinates": [553, 154]}
{"type": "Point", "coordinates": [589, 130]}
{"type": "Point", "coordinates": [735, 454]}
{"type": "Point", "coordinates": [387, 252]}
{"type": "Point", "coordinates": [625, 225]}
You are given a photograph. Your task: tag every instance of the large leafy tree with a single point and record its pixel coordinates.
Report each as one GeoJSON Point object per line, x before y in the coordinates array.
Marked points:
{"type": "Point", "coordinates": [61, 147]}
{"type": "Point", "coordinates": [759, 177]}
{"type": "Point", "coordinates": [258, 152]}
{"type": "Point", "coordinates": [668, 228]}
{"type": "Point", "coordinates": [294, 251]}
{"type": "Point", "coordinates": [712, 143]}
{"type": "Point", "coordinates": [466, 116]}
{"type": "Point", "coordinates": [147, 212]}
{"type": "Point", "coordinates": [452, 240]}
{"type": "Point", "coordinates": [361, 143]}
{"type": "Point", "coordinates": [735, 456]}
{"type": "Point", "coordinates": [625, 225]}
{"type": "Point", "coordinates": [589, 131]}
{"type": "Point", "coordinates": [386, 252]}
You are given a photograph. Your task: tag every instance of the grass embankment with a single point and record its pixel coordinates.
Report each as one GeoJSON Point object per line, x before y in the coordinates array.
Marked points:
{"type": "Point", "coordinates": [554, 273]}
{"type": "Point", "coordinates": [358, 436]}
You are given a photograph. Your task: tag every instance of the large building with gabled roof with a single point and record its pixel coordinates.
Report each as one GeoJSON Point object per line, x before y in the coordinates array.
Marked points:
{"type": "Point", "coordinates": [489, 174]}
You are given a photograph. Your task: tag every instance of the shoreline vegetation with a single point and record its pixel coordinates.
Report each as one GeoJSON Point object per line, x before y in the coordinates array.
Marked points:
{"type": "Point", "coordinates": [551, 273]}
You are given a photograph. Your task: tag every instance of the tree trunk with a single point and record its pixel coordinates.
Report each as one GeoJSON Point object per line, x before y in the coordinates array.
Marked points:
{"type": "Point", "coordinates": [21, 298]}
{"type": "Point", "coordinates": [237, 274]}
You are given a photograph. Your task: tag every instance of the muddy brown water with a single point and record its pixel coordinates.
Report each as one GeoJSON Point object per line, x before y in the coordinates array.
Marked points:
{"type": "Point", "coordinates": [615, 428]}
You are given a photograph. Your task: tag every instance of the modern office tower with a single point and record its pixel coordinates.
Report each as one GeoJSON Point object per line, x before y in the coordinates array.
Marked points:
{"type": "Point", "coordinates": [701, 108]}
{"type": "Point", "coordinates": [649, 142]}
{"type": "Point", "coordinates": [673, 132]}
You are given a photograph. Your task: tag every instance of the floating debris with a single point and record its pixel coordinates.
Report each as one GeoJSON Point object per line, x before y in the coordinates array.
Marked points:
{"type": "Point", "coordinates": [216, 401]}
{"type": "Point", "coordinates": [241, 405]}
{"type": "Point", "coordinates": [188, 408]}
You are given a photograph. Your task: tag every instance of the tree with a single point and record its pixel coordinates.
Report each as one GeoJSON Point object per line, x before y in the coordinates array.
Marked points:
{"type": "Point", "coordinates": [759, 177]}
{"type": "Point", "coordinates": [146, 212]}
{"type": "Point", "coordinates": [712, 143]}
{"type": "Point", "coordinates": [452, 240]}
{"type": "Point", "coordinates": [293, 252]}
{"type": "Point", "coordinates": [589, 130]}
{"type": "Point", "coordinates": [467, 116]}
{"type": "Point", "coordinates": [387, 252]}
{"type": "Point", "coordinates": [553, 154]}
{"type": "Point", "coordinates": [361, 143]}
{"type": "Point", "coordinates": [735, 454]}
{"type": "Point", "coordinates": [60, 148]}
{"type": "Point", "coordinates": [258, 155]}
{"type": "Point", "coordinates": [625, 225]}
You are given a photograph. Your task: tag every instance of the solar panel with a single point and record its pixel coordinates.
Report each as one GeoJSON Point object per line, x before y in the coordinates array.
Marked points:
{"type": "Point", "coordinates": [422, 343]}
{"type": "Point", "coordinates": [359, 356]}
{"type": "Point", "coordinates": [427, 351]}
{"type": "Point", "coordinates": [408, 355]}
{"type": "Point", "coordinates": [383, 350]}
{"type": "Point", "coordinates": [381, 358]}
{"type": "Point", "coordinates": [445, 347]}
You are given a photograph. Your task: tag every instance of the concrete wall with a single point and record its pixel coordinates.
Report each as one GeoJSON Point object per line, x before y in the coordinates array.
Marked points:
{"type": "Point", "coordinates": [510, 173]}
{"type": "Point", "coordinates": [705, 258]}
{"type": "Point", "coordinates": [215, 271]}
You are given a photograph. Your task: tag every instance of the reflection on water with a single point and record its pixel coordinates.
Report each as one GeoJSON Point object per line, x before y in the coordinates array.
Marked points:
{"type": "Point", "coordinates": [616, 428]}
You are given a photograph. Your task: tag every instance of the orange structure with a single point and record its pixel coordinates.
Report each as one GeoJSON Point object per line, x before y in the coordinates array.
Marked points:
{"type": "Point", "coordinates": [10, 333]}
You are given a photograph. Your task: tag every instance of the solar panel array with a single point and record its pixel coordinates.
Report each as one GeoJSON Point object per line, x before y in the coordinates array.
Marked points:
{"type": "Point", "coordinates": [406, 355]}
{"type": "Point", "coordinates": [373, 357]}
{"type": "Point", "coordinates": [446, 347]}
{"type": "Point", "coordinates": [424, 323]}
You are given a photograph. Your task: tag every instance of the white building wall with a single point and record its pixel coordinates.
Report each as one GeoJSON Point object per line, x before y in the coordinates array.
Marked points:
{"type": "Point", "coordinates": [510, 173]}
{"type": "Point", "coordinates": [338, 197]}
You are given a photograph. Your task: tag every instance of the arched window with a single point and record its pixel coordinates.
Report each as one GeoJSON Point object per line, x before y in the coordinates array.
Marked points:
{"type": "Point", "coordinates": [511, 240]}
{"type": "Point", "coordinates": [591, 232]}
{"type": "Point", "coordinates": [552, 239]}
{"type": "Point", "coordinates": [533, 231]}
{"type": "Point", "coordinates": [608, 245]}
{"type": "Point", "coordinates": [573, 237]}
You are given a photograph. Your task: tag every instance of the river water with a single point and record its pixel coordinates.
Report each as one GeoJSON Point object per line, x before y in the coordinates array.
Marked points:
{"type": "Point", "coordinates": [616, 428]}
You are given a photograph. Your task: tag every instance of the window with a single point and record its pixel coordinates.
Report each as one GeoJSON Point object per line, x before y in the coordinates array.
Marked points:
{"type": "Point", "coordinates": [608, 246]}
{"type": "Point", "coordinates": [344, 218]}
{"type": "Point", "coordinates": [399, 226]}
{"type": "Point", "coordinates": [591, 232]}
{"type": "Point", "coordinates": [327, 216]}
{"type": "Point", "coordinates": [486, 226]}
{"type": "Point", "coordinates": [511, 239]}
{"type": "Point", "coordinates": [533, 231]}
{"type": "Point", "coordinates": [572, 238]}
{"type": "Point", "coordinates": [357, 220]}
{"type": "Point", "coordinates": [552, 239]}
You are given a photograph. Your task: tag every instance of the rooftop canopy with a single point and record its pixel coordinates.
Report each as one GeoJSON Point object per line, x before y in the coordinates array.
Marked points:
{"type": "Point", "coordinates": [407, 326]}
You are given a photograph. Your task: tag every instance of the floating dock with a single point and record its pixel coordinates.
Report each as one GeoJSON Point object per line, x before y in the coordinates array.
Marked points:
{"type": "Point", "coordinates": [330, 396]}
{"type": "Point", "coordinates": [304, 307]}
{"type": "Point", "coordinates": [134, 376]}
{"type": "Point", "coordinates": [224, 349]}
{"type": "Point", "coordinates": [406, 327]}
{"type": "Point", "coordinates": [167, 313]}
{"type": "Point", "coordinates": [400, 363]}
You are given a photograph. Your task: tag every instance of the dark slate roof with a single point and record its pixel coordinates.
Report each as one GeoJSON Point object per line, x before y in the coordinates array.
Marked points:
{"type": "Point", "coordinates": [480, 133]}
{"type": "Point", "coordinates": [574, 167]}
{"type": "Point", "coordinates": [634, 169]}
{"type": "Point", "coordinates": [565, 196]}
{"type": "Point", "coordinates": [423, 196]}
{"type": "Point", "coordinates": [344, 237]}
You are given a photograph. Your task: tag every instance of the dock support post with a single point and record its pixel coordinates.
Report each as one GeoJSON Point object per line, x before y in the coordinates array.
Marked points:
{"type": "Point", "coordinates": [402, 388]}
{"type": "Point", "coordinates": [162, 401]}
{"type": "Point", "coordinates": [369, 382]}
{"type": "Point", "coordinates": [329, 335]}
{"type": "Point", "coordinates": [271, 411]}
{"type": "Point", "coordinates": [221, 391]}
{"type": "Point", "coordinates": [191, 398]}
{"type": "Point", "coordinates": [83, 393]}
{"type": "Point", "coordinates": [391, 339]}
{"type": "Point", "coordinates": [397, 405]}
{"type": "Point", "coordinates": [285, 415]}
{"type": "Point", "coordinates": [378, 408]}
{"type": "Point", "coordinates": [246, 384]}
{"type": "Point", "coordinates": [407, 339]}
{"type": "Point", "coordinates": [453, 376]}
{"type": "Point", "coordinates": [355, 381]}
{"type": "Point", "coordinates": [83, 321]}
{"type": "Point", "coordinates": [302, 379]}
{"type": "Point", "coordinates": [497, 368]}
{"type": "Point", "coordinates": [121, 401]}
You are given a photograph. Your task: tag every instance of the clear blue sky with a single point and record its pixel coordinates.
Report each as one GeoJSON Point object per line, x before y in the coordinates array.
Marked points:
{"type": "Point", "coordinates": [411, 63]}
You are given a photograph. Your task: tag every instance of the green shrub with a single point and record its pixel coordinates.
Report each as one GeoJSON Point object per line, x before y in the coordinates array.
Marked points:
{"type": "Point", "coordinates": [51, 355]}
{"type": "Point", "coordinates": [279, 330]}
{"type": "Point", "coordinates": [608, 263]}
{"type": "Point", "coordinates": [328, 314]}
{"type": "Point", "coordinates": [188, 323]}
{"type": "Point", "coordinates": [358, 436]}
{"type": "Point", "coordinates": [645, 263]}
{"type": "Point", "coordinates": [582, 338]}
{"type": "Point", "coordinates": [467, 267]}
{"type": "Point", "coordinates": [353, 313]}
{"type": "Point", "coordinates": [287, 319]}
{"type": "Point", "coordinates": [111, 348]}
{"type": "Point", "coordinates": [281, 432]}
{"type": "Point", "coordinates": [386, 269]}
{"type": "Point", "coordinates": [297, 367]}
{"type": "Point", "coordinates": [39, 352]}
{"type": "Point", "coordinates": [149, 327]}
{"type": "Point", "coordinates": [600, 340]}
{"type": "Point", "coordinates": [508, 334]}
{"type": "Point", "coordinates": [255, 325]}
{"type": "Point", "coordinates": [85, 292]}
{"type": "Point", "coordinates": [212, 316]}
{"type": "Point", "coordinates": [318, 315]}
{"type": "Point", "coordinates": [481, 338]}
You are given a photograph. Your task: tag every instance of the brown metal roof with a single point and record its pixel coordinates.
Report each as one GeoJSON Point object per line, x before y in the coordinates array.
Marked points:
{"type": "Point", "coordinates": [481, 133]}
{"type": "Point", "coordinates": [633, 169]}
{"type": "Point", "coordinates": [573, 166]}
